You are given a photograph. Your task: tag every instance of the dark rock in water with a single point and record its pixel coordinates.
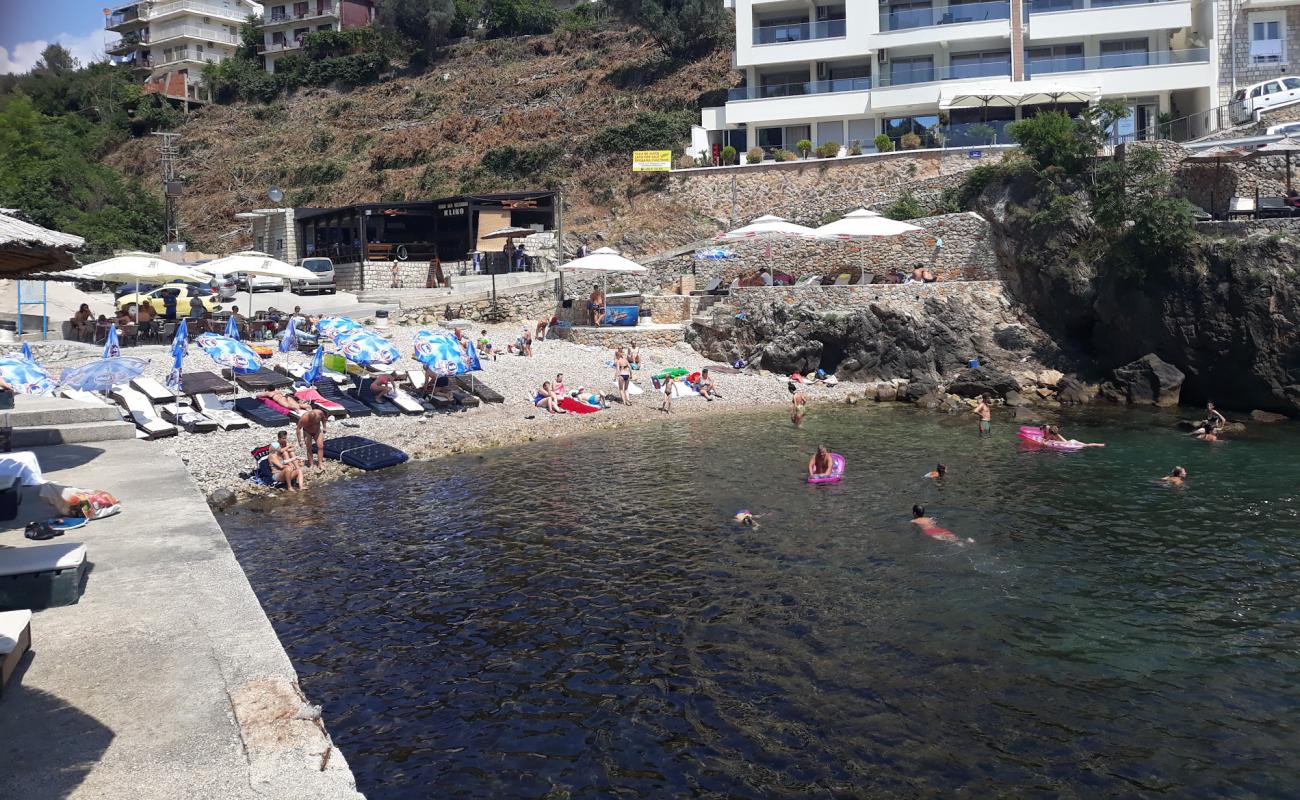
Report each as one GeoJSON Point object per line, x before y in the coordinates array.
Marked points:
{"type": "Point", "coordinates": [221, 498]}
{"type": "Point", "coordinates": [1148, 381]}
{"type": "Point", "coordinates": [1234, 427]}
{"type": "Point", "coordinates": [886, 392]}
{"type": "Point", "coordinates": [985, 380]}
{"type": "Point", "coordinates": [1024, 414]}
{"type": "Point", "coordinates": [1071, 392]}
{"type": "Point", "coordinates": [1267, 416]}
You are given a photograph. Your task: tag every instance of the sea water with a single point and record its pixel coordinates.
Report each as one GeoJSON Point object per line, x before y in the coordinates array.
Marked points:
{"type": "Point", "coordinates": [581, 617]}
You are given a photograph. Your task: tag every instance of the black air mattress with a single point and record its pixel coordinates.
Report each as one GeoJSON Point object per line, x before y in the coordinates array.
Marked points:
{"type": "Point", "coordinates": [263, 380]}
{"type": "Point", "coordinates": [479, 389]}
{"type": "Point", "coordinates": [331, 391]}
{"type": "Point", "coordinates": [257, 411]}
{"type": "Point", "coordinates": [363, 453]}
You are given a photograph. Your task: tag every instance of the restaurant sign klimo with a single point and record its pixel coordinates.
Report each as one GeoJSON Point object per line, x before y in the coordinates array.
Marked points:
{"type": "Point", "coordinates": [652, 160]}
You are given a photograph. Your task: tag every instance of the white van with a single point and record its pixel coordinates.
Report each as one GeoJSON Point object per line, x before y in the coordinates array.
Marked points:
{"type": "Point", "coordinates": [323, 281]}
{"type": "Point", "coordinates": [1248, 103]}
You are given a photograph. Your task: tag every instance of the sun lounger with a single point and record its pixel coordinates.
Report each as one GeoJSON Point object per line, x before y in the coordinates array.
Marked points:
{"type": "Point", "coordinates": [263, 380]}
{"type": "Point", "coordinates": [331, 391]}
{"type": "Point", "coordinates": [382, 406]}
{"type": "Point", "coordinates": [152, 389]}
{"type": "Point", "coordinates": [363, 453]}
{"type": "Point", "coordinates": [258, 412]}
{"type": "Point", "coordinates": [280, 408]}
{"type": "Point", "coordinates": [15, 641]}
{"type": "Point", "coordinates": [197, 383]}
{"type": "Point", "coordinates": [405, 402]}
{"type": "Point", "coordinates": [311, 395]}
{"type": "Point", "coordinates": [294, 371]}
{"type": "Point", "coordinates": [479, 389]}
{"type": "Point", "coordinates": [1241, 207]}
{"type": "Point", "coordinates": [188, 418]}
{"type": "Point", "coordinates": [42, 576]}
{"type": "Point", "coordinates": [218, 412]}
{"type": "Point", "coordinates": [82, 396]}
{"type": "Point", "coordinates": [141, 412]}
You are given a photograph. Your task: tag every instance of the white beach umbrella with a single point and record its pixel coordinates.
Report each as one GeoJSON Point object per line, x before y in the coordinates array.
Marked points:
{"type": "Point", "coordinates": [252, 262]}
{"type": "Point", "coordinates": [137, 267]}
{"type": "Point", "coordinates": [767, 225]}
{"type": "Point", "coordinates": [860, 226]}
{"type": "Point", "coordinates": [605, 261]}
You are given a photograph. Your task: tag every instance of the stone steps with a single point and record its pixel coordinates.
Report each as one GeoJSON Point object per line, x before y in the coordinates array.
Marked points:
{"type": "Point", "coordinates": [43, 421]}
{"type": "Point", "coordinates": [72, 433]}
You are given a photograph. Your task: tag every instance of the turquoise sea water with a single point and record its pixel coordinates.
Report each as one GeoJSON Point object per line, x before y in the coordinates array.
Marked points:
{"type": "Point", "coordinates": [581, 618]}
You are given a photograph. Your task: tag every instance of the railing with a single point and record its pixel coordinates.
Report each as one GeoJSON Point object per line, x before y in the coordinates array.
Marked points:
{"type": "Point", "coordinates": [279, 47]}
{"type": "Point", "coordinates": [943, 15]}
{"type": "Point", "coordinates": [195, 32]}
{"type": "Point", "coordinates": [122, 17]}
{"type": "Point", "coordinates": [1151, 58]}
{"type": "Point", "coordinates": [800, 32]}
{"type": "Point", "coordinates": [276, 19]}
{"type": "Point", "coordinates": [957, 73]}
{"type": "Point", "coordinates": [198, 7]}
{"type": "Point", "coordinates": [1050, 6]}
{"type": "Point", "coordinates": [796, 89]}
{"type": "Point", "coordinates": [188, 54]}
{"type": "Point", "coordinates": [125, 44]}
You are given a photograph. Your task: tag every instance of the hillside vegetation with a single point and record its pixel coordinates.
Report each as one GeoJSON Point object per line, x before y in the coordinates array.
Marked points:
{"type": "Point", "coordinates": [561, 110]}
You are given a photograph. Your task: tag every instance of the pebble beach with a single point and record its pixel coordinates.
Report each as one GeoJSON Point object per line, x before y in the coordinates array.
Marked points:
{"type": "Point", "coordinates": [218, 460]}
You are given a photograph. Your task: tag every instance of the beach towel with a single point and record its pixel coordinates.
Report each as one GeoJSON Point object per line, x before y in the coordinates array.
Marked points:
{"type": "Point", "coordinates": [274, 406]}
{"type": "Point", "coordinates": [569, 404]}
{"type": "Point", "coordinates": [311, 395]}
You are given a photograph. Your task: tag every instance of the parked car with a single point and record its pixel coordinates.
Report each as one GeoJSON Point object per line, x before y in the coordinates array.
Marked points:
{"type": "Point", "coordinates": [259, 282]}
{"type": "Point", "coordinates": [224, 286]}
{"type": "Point", "coordinates": [190, 293]}
{"type": "Point", "coordinates": [131, 288]}
{"type": "Point", "coordinates": [324, 280]}
{"type": "Point", "coordinates": [1248, 103]}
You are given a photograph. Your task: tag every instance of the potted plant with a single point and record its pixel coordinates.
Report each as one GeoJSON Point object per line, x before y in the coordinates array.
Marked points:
{"type": "Point", "coordinates": [754, 155]}
{"type": "Point", "coordinates": [883, 143]}
{"type": "Point", "coordinates": [909, 141]}
{"type": "Point", "coordinates": [828, 150]}
{"type": "Point", "coordinates": [728, 155]}
{"type": "Point", "coordinates": [855, 147]}
{"type": "Point", "coordinates": [803, 146]}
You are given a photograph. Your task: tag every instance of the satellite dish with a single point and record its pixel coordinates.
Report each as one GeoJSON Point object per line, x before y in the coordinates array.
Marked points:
{"type": "Point", "coordinates": [275, 193]}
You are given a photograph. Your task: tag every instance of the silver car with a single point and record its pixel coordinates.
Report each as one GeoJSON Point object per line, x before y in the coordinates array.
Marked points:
{"type": "Point", "coordinates": [323, 280]}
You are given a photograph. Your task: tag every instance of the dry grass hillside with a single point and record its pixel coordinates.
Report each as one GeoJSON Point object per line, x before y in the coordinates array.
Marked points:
{"type": "Point", "coordinates": [423, 136]}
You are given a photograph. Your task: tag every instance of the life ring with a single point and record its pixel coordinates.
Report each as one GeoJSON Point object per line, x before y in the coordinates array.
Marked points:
{"type": "Point", "coordinates": [401, 252]}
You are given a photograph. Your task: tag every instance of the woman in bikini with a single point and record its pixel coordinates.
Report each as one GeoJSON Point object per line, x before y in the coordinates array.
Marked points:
{"type": "Point", "coordinates": [623, 375]}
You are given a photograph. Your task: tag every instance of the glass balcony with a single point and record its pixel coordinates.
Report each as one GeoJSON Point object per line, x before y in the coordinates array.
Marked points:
{"type": "Point", "coordinates": [1048, 6]}
{"type": "Point", "coordinates": [796, 89]}
{"type": "Point", "coordinates": [1154, 58]}
{"type": "Point", "coordinates": [906, 18]}
{"type": "Point", "coordinates": [801, 32]}
{"type": "Point", "coordinates": [924, 73]}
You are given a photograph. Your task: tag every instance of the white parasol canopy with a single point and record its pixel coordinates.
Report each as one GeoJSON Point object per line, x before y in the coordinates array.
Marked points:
{"type": "Point", "coordinates": [764, 226]}
{"type": "Point", "coordinates": [862, 224]}
{"type": "Point", "coordinates": [606, 260]}
{"type": "Point", "coordinates": [1009, 94]}
{"type": "Point", "coordinates": [251, 262]}
{"type": "Point", "coordinates": [137, 267]}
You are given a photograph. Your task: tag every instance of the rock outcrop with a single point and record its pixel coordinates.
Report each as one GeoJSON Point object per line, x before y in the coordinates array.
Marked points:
{"type": "Point", "coordinates": [1148, 381]}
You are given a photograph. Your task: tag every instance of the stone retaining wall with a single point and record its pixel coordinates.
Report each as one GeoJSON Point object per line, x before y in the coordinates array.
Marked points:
{"type": "Point", "coordinates": [354, 277]}
{"type": "Point", "coordinates": [611, 337]}
{"type": "Point", "coordinates": [528, 303]}
{"type": "Point", "coordinates": [1212, 185]}
{"type": "Point", "coordinates": [849, 298]}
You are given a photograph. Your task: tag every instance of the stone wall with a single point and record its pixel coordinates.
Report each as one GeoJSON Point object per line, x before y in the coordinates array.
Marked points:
{"type": "Point", "coordinates": [754, 301]}
{"type": "Point", "coordinates": [1212, 185]}
{"type": "Point", "coordinates": [1239, 228]}
{"type": "Point", "coordinates": [808, 192]}
{"type": "Point", "coordinates": [1247, 72]}
{"type": "Point", "coordinates": [527, 303]}
{"type": "Point", "coordinates": [966, 254]}
{"type": "Point", "coordinates": [354, 277]}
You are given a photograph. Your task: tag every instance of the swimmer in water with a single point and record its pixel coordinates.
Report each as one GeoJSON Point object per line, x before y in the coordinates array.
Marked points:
{"type": "Point", "coordinates": [931, 528]}
{"type": "Point", "coordinates": [744, 517]}
{"type": "Point", "coordinates": [1176, 477]}
{"type": "Point", "coordinates": [1051, 433]}
{"type": "Point", "coordinates": [819, 466]}
{"type": "Point", "coordinates": [798, 408]}
{"type": "Point", "coordinates": [939, 471]}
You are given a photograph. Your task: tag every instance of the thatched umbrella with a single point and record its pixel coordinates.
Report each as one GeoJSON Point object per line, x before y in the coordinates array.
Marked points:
{"type": "Point", "coordinates": [26, 248]}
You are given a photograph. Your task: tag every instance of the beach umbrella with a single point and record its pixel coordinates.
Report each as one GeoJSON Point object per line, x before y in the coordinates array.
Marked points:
{"type": "Point", "coordinates": [181, 341]}
{"type": "Point", "coordinates": [442, 352]}
{"type": "Point", "coordinates": [317, 365]}
{"type": "Point", "coordinates": [290, 340]}
{"type": "Point", "coordinates": [232, 328]}
{"type": "Point", "coordinates": [25, 375]}
{"type": "Point", "coordinates": [334, 327]}
{"type": "Point", "coordinates": [27, 352]}
{"type": "Point", "coordinates": [364, 347]}
{"type": "Point", "coordinates": [111, 347]}
{"type": "Point", "coordinates": [606, 261]}
{"type": "Point", "coordinates": [1282, 147]}
{"type": "Point", "coordinates": [178, 363]}
{"type": "Point", "coordinates": [766, 226]}
{"type": "Point", "coordinates": [253, 262]}
{"type": "Point", "coordinates": [229, 353]}
{"type": "Point", "coordinates": [860, 226]}
{"type": "Point", "coordinates": [137, 268]}
{"type": "Point", "coordinates": [104, 374]}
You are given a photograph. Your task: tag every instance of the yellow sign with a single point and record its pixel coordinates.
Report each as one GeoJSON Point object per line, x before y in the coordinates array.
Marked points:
{"type": "Point", "coordinates": [652, 160]}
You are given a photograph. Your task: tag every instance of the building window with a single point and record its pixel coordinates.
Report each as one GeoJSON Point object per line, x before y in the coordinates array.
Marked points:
{"type": "Point", "coordinates": [1124, 53]}
{"type": "Point", "coordinates": [1268, 37]}
{"type": "Point", "coordinates": [979, 65]}
{"type": "Point", "coordinates": [919, 69]}
{"type": "Point", "coordinates": [1056, 58]}
{"type": "Point", "coordinates": [770, 138]}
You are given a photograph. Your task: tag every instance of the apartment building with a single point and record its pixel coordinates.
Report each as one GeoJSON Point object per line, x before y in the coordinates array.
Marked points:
{"type": "Point", "coordinates": [169, 41]}
{"type": "Point", "coordinates": [956, 73]}
{"type": "Point", "coordinates": [286, 24]}
{"type": "Point", "coordinates": [1259, 40]}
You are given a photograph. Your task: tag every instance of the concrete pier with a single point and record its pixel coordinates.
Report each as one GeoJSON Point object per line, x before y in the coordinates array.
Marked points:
{"type": "Point", "coordinates": [167, 679]}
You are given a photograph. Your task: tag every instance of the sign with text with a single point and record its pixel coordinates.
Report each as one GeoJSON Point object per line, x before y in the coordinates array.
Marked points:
{"type": "Point", "coordinates": [652, 160]}
{"type": "Point", "coordinates": [975, 154]}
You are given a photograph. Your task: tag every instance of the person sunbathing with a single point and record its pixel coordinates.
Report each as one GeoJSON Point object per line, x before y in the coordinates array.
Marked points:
{"type": "Point", "coordinates": [706, 387]}
{"type": "Point", "coordinates": [1051, 433]}
{"type": "Point", "coordinates": [287, 401]}
{"type": "Point", "coordinates": [633, 355]}
{"type": "Point", "coordinates": [590, 398]}
{"type": "Point", "coordinates": [547, 399]}
{"type": "Point", "coordinates": [485, 345]}
{"type": "Point", "coordinates": [1175, 477]}
{"type": "Point", "coordinates": [558, 386]}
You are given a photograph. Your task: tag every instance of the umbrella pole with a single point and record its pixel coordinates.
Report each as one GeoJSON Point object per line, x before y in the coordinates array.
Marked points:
{"type": "Point", "coordinates": [137, 310]}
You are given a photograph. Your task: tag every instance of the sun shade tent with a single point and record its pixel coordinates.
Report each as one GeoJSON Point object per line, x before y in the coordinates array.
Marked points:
{"type": "Point", "coordinates": [766, 226]}
{"type": "Point", "coordinates": [606, 261]}
{"type": "Point", "coordinates": [861, 226]}
{"type": "Point", "coordinates": [137, 268]}
{"type": "Point", "coordinates": [25, 247]}
{"type": "Point", "coordinates": [1282, 147]}
{"type": "Point", "coordinates": [252, 262]}
{"type": "Point", "coordinates": [1009, 94]}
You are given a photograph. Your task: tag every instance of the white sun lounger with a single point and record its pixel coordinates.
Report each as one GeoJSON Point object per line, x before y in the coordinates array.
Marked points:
{"type": "Point", "coordinates": [216, 411]}
{"type": "Point", "coordinates": [152, 389]}
{"type": "Point", "coordinates": [416, 378]}
{"type": "Point", "coordinates": [404, 401]}
{"type": "Point", "coordinates": [188, 418]}
{"type": "Point", "coordinates": [295, 371]}
{"type": "Point", "coordinates": [15, 640]}
{"type": "Point", "coordinates": [141, 412]}
{"type": "Point", "coordinates": [82, 396]}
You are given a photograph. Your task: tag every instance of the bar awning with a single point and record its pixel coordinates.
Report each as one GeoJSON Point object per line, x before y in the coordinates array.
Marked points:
{"type": "Point", "coordinates": [1009, 94]}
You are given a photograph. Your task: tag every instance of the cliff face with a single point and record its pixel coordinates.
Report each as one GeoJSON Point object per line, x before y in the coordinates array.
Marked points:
{"type": "Point", "coordinates": [1226, 312]}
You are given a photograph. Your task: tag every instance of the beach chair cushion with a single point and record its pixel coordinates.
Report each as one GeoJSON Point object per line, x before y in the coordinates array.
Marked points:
{"type": "Point", "coordinates": [152, 389]}
{"type": "Point", "coordinates": [382, 406]}
{"type": "Point", "coordinates": [42, 576]}
{"type": "Point", "coordinates": [407, 403]}
{"type": "Point", "coordinates": [363, 453]}
{"type": "Point", "coordinates": [331, 391]}
{"type": "Point", "coordinates": [258, 412]}
{"type": "Point", "coordinates": [141, 412]}
{"type": "Point", "coordinates": [15, 640]}
{"type": "Point", "coordinates": [196, 383]}
{"type": "Point", "coordinates": [312, 395]}
{"type": "Point", "coordinates": [479, 389]}
{"type": "Point", "coordinates": [219, 412]}
{"type": "Point", "coordinates": [263, 379]}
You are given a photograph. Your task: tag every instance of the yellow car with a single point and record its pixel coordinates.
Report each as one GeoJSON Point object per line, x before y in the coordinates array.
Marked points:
{"type": "Point", "coordinates": [186, 295]}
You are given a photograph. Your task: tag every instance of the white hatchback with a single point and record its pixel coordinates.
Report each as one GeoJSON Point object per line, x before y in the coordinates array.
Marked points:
{"type": "Point", "coordinates": [1250, 102]}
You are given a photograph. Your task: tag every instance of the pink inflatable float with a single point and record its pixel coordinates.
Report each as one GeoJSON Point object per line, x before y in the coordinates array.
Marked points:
{"type": "Point", "coordinates": [1034, 435]}
{"type": "Point", "coordinates": [837, 471]}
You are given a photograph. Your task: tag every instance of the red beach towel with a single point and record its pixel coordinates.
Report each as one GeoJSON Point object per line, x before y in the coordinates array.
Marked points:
{"type": "Point", "coordinates": [569, 404]}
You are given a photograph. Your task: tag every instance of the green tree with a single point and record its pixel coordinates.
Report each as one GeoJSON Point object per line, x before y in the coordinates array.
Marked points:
{"type": "Point", "coordinates": [905, 207]}
{"type": "Point", "coordinates": [680, 27]}
{"type": "Point", "coordinates": [56, 60]}
{"type": "Point", "coordinates": [520, 17]}
{"type": "Point", "coordinates": [425, 22]}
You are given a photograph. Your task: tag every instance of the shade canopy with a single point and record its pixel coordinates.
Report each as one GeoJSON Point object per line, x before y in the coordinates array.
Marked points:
{"type": "Point", "coordinates": [26, 247]}
{"type": "Point", "coordinates": [252, 262]}
{"type": "Point", "coordinates": [764, 226]}
{"type": "Point", "coordinates": [862, 224]}
{"type": "Point", "coordinates": [1290, 144]}
{"type": "Point", "coordinates": [606, 260]}
{"type": "Point", "coordinates": [1009, 94]}
{"type": "Point", "coordinates": [138, 267]}
{"type": "Point", "coordinates": [508, 233]}
{"type": "Point", "coordinates": [1218, 153]}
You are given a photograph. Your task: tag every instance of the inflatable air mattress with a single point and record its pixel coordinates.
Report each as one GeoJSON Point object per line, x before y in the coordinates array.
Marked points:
{"type": "Point", "coordinates": [331, 391]}
{"type": "Point", "coordinates": [1034, 435]}
{"type": "Point", "coordinates": [363, 453]}
{"type": "Point", "coordinates": [254, 409]}
{"type": "Point", "coordinates": [837, 471]}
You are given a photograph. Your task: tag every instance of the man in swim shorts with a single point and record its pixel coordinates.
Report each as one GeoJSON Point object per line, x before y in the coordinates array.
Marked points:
{"type": "Point", "coordinates": [311, 435]}
{"type": "Point", "coordinates": [985, 414]}
{"type": "Point", "coordinates": [820, 465]}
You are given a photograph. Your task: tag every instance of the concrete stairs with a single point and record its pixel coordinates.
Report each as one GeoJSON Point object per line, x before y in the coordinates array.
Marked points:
{"type": "Point", "coordinates": [44, 421]}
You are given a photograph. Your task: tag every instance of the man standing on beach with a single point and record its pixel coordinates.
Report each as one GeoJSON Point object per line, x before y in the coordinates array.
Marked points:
{"type": "Point", "coordinates": [311, 435]}
{"type": "Point", "coordinates": [985, 414]}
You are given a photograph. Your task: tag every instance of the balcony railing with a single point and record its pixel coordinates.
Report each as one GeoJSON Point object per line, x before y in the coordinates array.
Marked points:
{"type": "Point", "coordinates": [800, 32]}
{"type": "Point", "coordinates": [796, 89]}
{"type": "Point", "coordinates": [125, 45]}
{"type": "Point", "coordinates": [195, 32]}
{"type": "Point", "coordinates": [1048, 6]}
{"type": "Point", "coordinates": [1152, 58]}
{"type": "Point", "coordinates": [122, 17]}
{"type": "Point", "coordinates": [923, 74]}
{"type": "Point", "coordinates": [954, 14]}
{"type": "Point", "coordinates": [195, 6]}
{"type": "Point", "coordinates": [280, 17]}
{"type": "Point", "coordinates": [188, 54]}
{"type": "Point", "coordinates": [280, 47]}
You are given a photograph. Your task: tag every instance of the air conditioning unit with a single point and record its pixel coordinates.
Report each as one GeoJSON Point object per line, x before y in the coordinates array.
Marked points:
{"type": "Point", "coordinates": [821, 70]}
{"type": "Point", "coordinates": [882, 56]}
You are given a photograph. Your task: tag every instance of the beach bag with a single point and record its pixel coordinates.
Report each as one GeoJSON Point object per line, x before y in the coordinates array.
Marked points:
{"type": "Point", "coordinates": [87, 503]}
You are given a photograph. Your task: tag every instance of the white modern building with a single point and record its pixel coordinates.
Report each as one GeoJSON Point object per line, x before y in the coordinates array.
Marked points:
{"type": "Point", "coordinates": [286, 25]}
{"type": "Point", "coordinates": [169, 41]}
{"type": "Point", "coordinates": [956, 72]}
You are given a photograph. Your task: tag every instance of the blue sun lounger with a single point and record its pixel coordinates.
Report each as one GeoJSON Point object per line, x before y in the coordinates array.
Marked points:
{"type": "Point", "coordinates": [380, 405]}
{"type": "Point", "coordinates": [363, 453]}
{"type": "Point", "coordinates": [256, 411]}
{"type": "Point", "coordinates": [331, 391]}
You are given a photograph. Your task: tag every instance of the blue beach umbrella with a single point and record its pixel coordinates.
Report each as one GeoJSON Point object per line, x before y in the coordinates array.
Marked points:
{"type": "Point", "coordinates": [442, 353]}
{"type": "Point", "coordinates": [111, 347]}
{"type": "Point", "coordinates": [104, 374]}
{"type": "Point", "coordinates": [174, 377]}
{"type": "Point", "coordinates": [364, 347]}
{"type": "Point", "coordinates": [25, 375]}
{"type": "Point", "coordinates": [229, 353]}
{"type": "Point", "coordinates": [334, 327]}
{"type": "Point", "coordinates": [181, 341]}
{"type": "Point", "coordinates": [317, 365]}
{"type": "Point", "coordinates": [232, 328]}
{"type": "Point", "coordinates": [290, 340]}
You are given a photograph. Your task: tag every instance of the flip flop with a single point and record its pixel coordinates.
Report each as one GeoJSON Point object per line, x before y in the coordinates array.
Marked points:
{"type": "Point", "coordinates": [40, 531]}
{"type": "Point", "coordinates": [66, 523]}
